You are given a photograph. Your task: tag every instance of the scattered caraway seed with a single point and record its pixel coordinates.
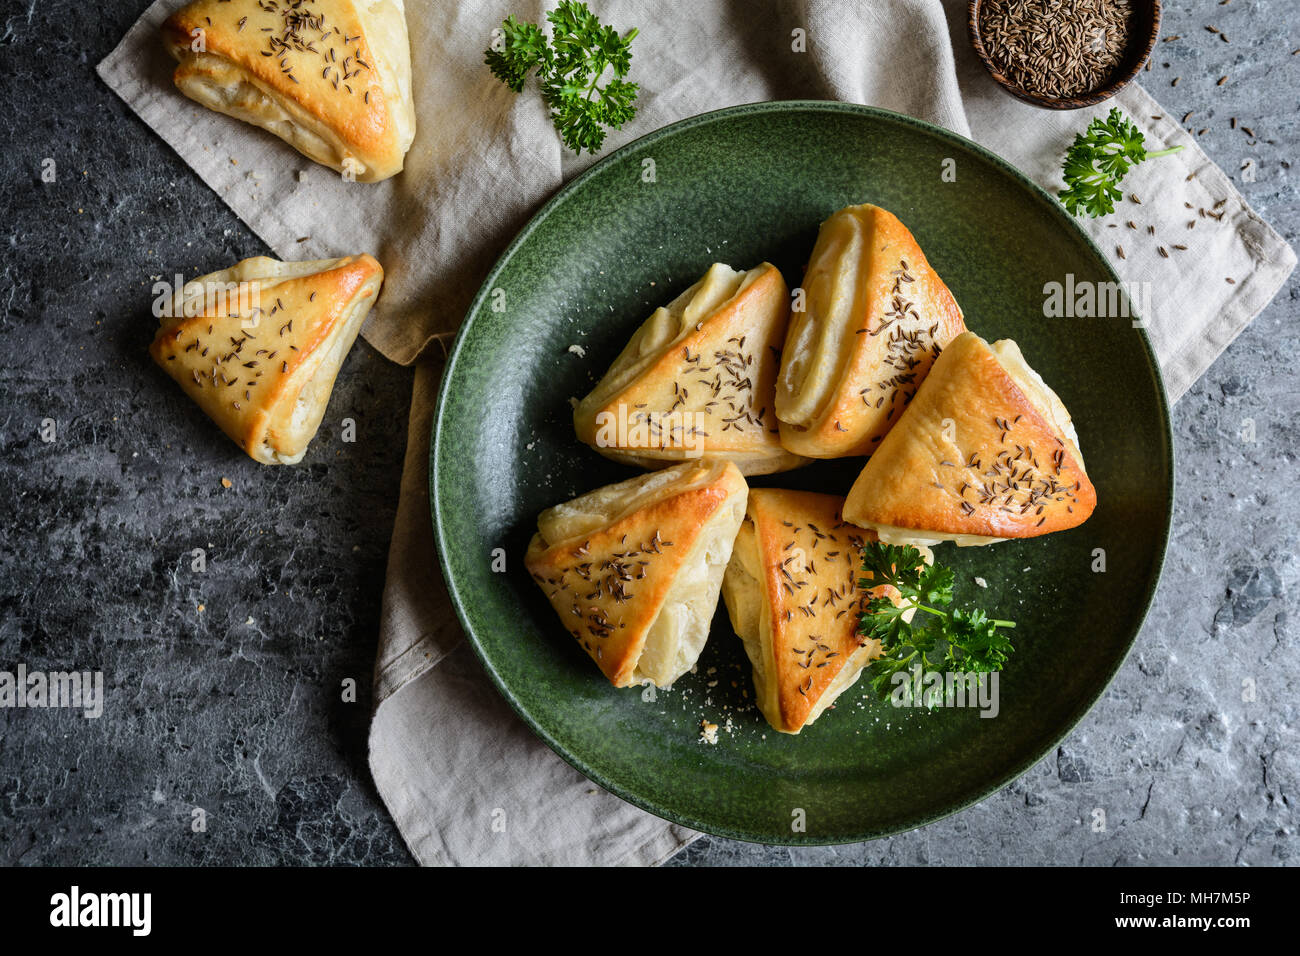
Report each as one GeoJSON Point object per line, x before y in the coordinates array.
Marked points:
{"type": "Point", "coordinates": [1234, 122]}
{"type": "Point", "coordinates": [1131, 224]}
{"type": "Point", "coordinates": [1151, 230]}
{"type": "Point", "coordinates": [1202, 131]}
{"type": "Point", "coordinates": [1134, 198]}
{"type": "Point", "coordinates": [1175, 81]}
{"type": "Point", "coordinates": [1230, 281]}
{"type": "Point", "coordinates": [1222, 80]}
{"type": "Point", "coordinates": [1164, 253]}
{"type": "Point", "coordinates": [1172, 38]}
{"type": "Point", "coordinates": [1188, 115]}
{"type": "Point", "coordinates": [1119, 251]}
{"type": "Point", "coordinates": [1213, 29]}
{"type": "Point", "coordinates": [1248, 131]}
{"type": "Point", "coordinates": [1181, 248]}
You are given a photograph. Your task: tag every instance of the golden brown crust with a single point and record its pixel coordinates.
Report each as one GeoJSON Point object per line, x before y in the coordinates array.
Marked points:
{"type": "Point", "coordinates": [973, 455]}
{"type": "Point", "coordinates": [810, 565]}
{"type": "Point", "coordinates": [707, 392]}
{"type": "Point", "coordinates": [313, 73]}
{"type": "Point", "coordinates": [260, 358]}
{"type": "Point", "coordinates": [875, 317]}
{"type": "Point", "coordinates": [609, 584]}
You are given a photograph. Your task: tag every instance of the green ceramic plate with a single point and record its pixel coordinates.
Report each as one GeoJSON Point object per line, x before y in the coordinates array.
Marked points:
{"type": "Point", "coordinates": [742, 185]}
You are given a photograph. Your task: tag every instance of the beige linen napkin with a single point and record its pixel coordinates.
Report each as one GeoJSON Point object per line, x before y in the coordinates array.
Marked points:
{"type": "Point", "coordinates": [465, 780]}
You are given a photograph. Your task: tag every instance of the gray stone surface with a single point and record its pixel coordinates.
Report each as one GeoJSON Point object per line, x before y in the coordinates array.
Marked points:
{"type": "Point", "coordinates": [238, 709]}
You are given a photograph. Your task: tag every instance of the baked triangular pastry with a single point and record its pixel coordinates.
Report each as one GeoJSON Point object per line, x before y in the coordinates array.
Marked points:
{"type": "Point", "coordinates": [330, 77]}
{"type": "Point", "coordinates": [633, 569]}
{"type": "Point", "coordinates": [985, 452]}
{"type": "Point", "coordinates": [875, 315]}
{"type": "Point", "coordinates": [792, 593]}
{"type": "Point", "coordinates": [258, 345]}
{"type": "Point", "coordinates": [696, 379]}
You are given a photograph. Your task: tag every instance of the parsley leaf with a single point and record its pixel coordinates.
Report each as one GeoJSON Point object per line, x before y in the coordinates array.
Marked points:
{"type": "Point", "coordinates": [960, 640]}
{"type": "Point", "coordinates": [524, 48]}
{"type": "Point", "coordinates": [1098, 161]}
{"type": "Point", "coordinates": [569, 70]}
{"type": "Point", "coordinates": [976, 642]}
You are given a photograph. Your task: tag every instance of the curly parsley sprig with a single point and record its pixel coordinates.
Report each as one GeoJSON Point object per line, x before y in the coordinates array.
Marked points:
{"type": "Point", "coordinates": [960, 640]}
{"type": "Point", "coordinates": [569, 69]}
{"type": "Point", "coordinates": [1098, 161]}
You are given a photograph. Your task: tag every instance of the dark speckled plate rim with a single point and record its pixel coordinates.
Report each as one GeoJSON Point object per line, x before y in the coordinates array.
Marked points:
{"type": "Point", "coordinates": [436, 490]}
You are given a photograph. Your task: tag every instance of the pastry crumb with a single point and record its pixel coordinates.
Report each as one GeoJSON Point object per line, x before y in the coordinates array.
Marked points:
{"type": "Point", "coordinates": [981, 582]}
{"type": "Point", "coordinates": [226, 483]}
{"type": "Point", "coordinates": [708, 732]}
{"type": "Point", "coordinates": [578, 350]}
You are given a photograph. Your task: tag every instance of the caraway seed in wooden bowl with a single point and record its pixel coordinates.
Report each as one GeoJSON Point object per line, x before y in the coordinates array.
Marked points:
{"type": "Point", "coordinates": [1063, 54]}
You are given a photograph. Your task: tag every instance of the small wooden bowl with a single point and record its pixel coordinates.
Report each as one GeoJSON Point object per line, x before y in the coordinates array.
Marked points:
{"type": "Point", "coordinates": [1142, 40]}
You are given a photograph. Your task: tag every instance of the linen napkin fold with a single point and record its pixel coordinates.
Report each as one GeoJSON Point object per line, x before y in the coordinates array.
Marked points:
{"type": "Point", "coordinates": [465, 780]}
